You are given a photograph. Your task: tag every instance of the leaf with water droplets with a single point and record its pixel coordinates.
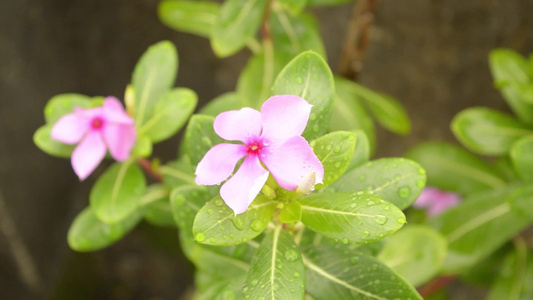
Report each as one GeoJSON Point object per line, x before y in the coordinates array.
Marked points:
{"type": "Point", "coordinates": [200, 136]}
{"type": "Point", "coordinates": [291, 212]}
{"type": "Point", "coordinates": [222, 103]}
{"type": "Point", "coordinates": [153, 76]}
{"type": "Point", "coordinates": [452, 168]}
{"type": "Point", "coordinates": [357, 218]}
{"type": "Point", "coordinates": [362, 151]}
{"type": "Point", "coordinates": [416, 253]}
{"type": "Point", "coordinates": [488, 131]}
{"type": "Point", "coordinates": [219, 288]}
{"type": "Point", "coordinates": [277, 270]}
{"type": "Point", "coordinates": [522, 157]}
{"type": "Point", "coordinates": [217, 224]}
{"type": "Point", "coordinates": [196, 17]}
{"type": "Point", "coordinates": [335, 151]}
{"type": "Point", "coordinates": [308, 76]}
{"type": "Point", "coordinates": [331, 274]}
{"type": "Point", "coordinates": [397, 180]}
{"type": "Point", "coordinates": [156, 205]}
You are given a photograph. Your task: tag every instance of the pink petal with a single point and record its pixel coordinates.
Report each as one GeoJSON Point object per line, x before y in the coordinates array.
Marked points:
{"type": "Point", "coordinates": [70, 128]}
{"type": "Point", "coordinates": [241, 189]}
{"type": "Point", "coordinates": [88, 154]}
{"type": "Point", "coordinates": [218, 163]}
{"type": "Point", "coordinates": [293, 161]}
{"type": "Point", "coordinates": [427, 197]}
{"type": "Point", "coordinates": [284, 117]}
{"type": "Point", "coordinates": [114, 112]}
{"type": "Point", "coordinates": [120, 139]}
{"type": "Point", "coordinates": [238, 125]}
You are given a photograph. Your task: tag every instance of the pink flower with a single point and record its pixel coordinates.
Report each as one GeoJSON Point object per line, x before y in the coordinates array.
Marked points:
{"type": "Point", "coordinates": [95, 130]}
{"type": "Point", "coordinates": [436, 201]}
{"type": "Point", "coordinates": [272, 137]}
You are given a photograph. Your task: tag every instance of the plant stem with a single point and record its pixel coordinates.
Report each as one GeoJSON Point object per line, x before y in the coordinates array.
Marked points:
{"type": "Point", "coordinates": [147, 167]}
{"type": "Point", "coordinates": [357, 37]}
{"type": "Point", "coordinates": [435, 285]}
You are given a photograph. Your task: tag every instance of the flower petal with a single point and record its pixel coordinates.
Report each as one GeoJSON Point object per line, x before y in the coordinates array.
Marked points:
{"type": "Point", "coordinates": [218, 163]}
{"type": "Point", "coordinates": [114, 112]}
{"type": "Point", "coordinates": [120, 139]}
{"type": "Point", "coordinates": [293, 161]}
{"type": "Point", "coordinates": [70, 128]}
{"type": "Point", "coordinates": [284, 117]}
{"type": "Point", "coordinates": [88, 154]}
{"type": "Point", "coordinates": [238, 125]}
{"type": "Point", "coordinates": [241, 189]}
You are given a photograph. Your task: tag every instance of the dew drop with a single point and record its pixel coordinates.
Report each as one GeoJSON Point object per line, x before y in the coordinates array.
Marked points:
{"type": "Point", "coordinates": [353, 205]}
{"type": "Point", "coordinates": [218, 202]}
{"type": "Point", "coordinates": [315, 128]}
{"type": "Point", "coordinates": [421, 171]}
{"type": "Point", "coordinates": [296, 275]}
{"type": "Point", "coordinates": [291, 255]}
{"type": "Point", "coordinates": [200, 236]}
{"type": "Point", "coordinates": [386, 207]}
{"type": "Point", "coordinates": [229, 295]}
{"type": "Point", "coordinates": [210, 211]}
{"type": "Point", "coordinates": [354, 260]}
{"type": "Point", "coordinates": [212, 240]}
{"type": "Point", "coordinates": [362, 177]}
{"type": "Point", "coordinates": [345, 241]}
{"type": "Point", "coordinates": [380, 219]}
{"type": "Point", "coordinates": [337, 164]}
{"type": "Point", "coordinates": [238, 221]}
{"type": "Point", "coordinates": [256, 225]}
{"type": "Point", "coordinates": [371, 202]}
{"type": "Point", "coordinates": [312, 116]}
{"type": "Point", "coordinates": [420, 183]}
{"type": "Point", "coordinates": [366, 233]}
{"type": "Point", "coordinates": [254, 282]}
{"type": "Point", "coordinates": [401, 220]}
{"type": "Point", "coordinates": [404, 192]}
{"type": "Point", "coordinates": [299, 80]}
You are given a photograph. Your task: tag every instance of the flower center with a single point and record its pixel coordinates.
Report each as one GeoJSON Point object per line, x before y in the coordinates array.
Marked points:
{"type": "Point", "coordinates": [255, 147]}
{"type": "Point", "coordinates": [97, 123]}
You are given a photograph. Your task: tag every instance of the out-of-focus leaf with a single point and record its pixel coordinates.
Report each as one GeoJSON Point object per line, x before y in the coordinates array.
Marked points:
{"type": "Point", "coordinates": [295, 6]}
{"type": "Point", "coordinates": [454, 169]}
{"type": "Point", "coordinates": [309, 77]}
{"type": "Point", "coordinates": [177, 172]}
{"type": "Point", "coordinates": [196, 17]}
{"type": "Point", "coordinates": [335, 151]}
{"type": "Point", "coordinates": [142, 147]}
{"type": "Point", "coordinates": [200, 136]}
{"type": "Point", "coordinates": [488, 131]}
{"type": "Point", "coordinates": [416, 253]}
{"type": "Point", "coordinates": [522, 157]}
{"type": "Point", "coordinates": [362, 151]}
{"type": "Point", "coordinates": [156, 206]}
{"type": "Point", "coordinates": [222, 103]}
{"type": "Point", "coordinates": [44, 141]}
{"type": "Point", "coordinates": [63, 104]}
{"type": "Point", "coordinates": [291, 212]}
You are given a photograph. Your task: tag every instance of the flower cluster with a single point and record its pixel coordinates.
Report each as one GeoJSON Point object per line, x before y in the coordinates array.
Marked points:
{"type": "Point", "coordinates": [271, 138]}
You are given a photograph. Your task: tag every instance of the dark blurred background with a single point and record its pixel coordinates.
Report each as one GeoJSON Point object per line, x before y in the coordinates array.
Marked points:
{"type": "Point", "coordinates": [430, 54]}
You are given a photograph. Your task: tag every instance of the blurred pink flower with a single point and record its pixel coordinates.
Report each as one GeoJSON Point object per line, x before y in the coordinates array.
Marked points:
{"type": "Point", "coordinates": [272, 137]}
{"type": "Point", "coordinates": [96, 129]}
{"type": "Point", "coordinates": [436, 201]}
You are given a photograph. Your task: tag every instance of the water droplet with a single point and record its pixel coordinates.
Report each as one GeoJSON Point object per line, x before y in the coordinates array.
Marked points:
{"type": "Point", "coordinates": [420, 183]}
{"type": "Point", "coordinates": [404, 192]}
{"type": "Point", "coordinates": [370, 202]}
{"type": "Point", "coordinates": [328, 147]}
{"type": "Point", "coordinates": [232, 235]}
{"type": "Point", "coordinates": [210, 211]}
{"type": "Point", "coordinates": [421, 171]}
{"type": "Point", "coordinates": [362, 177]}
{"type": "Point", "coordinates": [218, 202]}
{"type": "Point", "coordinates": [292, 291]}
{"type": "Point", "coordinates": [299, 80]}
{"type": "Point", "coordinates": [337, 164]}
{"type": "Point", "coordinates": [238, 221]}
{"type": "Point", "coordinates": [337, 149]}
{"type": "Point", "coordinates": [353, 205]}
{"type": "Point", "coordinates": [401, 220]}
{"type": "Point", "coordinates": [315, 128]}
{"type": "Point", "coordinates": [366, 233]}
{"type": "Point", "coordinates": [275, 287]}
{"type": "Point", "coordinates": [345, 241]}
{"type": "Point", "coordinates": [312, 116]}
{"type": "Point", "coordinates": [212, 240]}
{"type": "Point", "coordinates": [291, 255]}
{"type": "Point", "coordinates": [386, 207]}
{"type": "Point", "coordinates": [380, 219]}
{"type": "Point", "coordinates": [296, 275]}
{"type": "Point", "coordinates": [245, 289]}
{"type": "Point", "coordinates": [256, 225]}
{"type": "Point", "coordinates": [229, 295]}
{"type": "Point", "coordinates": [255, 282]}
{"type": "Point", "coordinates": [200, 236]}
{"type": "Point", "coordinates": [354, 260]}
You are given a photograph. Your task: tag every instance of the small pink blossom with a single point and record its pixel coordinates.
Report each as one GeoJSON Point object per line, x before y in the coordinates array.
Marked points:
{"type": "Point", "coordinates": [271, 137]}
{"type": "Point", "coordinates": [96, 129]}
{"type": "Point", "coordinates": [436, 201]}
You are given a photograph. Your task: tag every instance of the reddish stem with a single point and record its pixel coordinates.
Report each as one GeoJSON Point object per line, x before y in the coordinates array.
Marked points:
{"type": "Point", "coordinates": [435, 285]}
{"type": "Point", "coordinates": [147, 167]}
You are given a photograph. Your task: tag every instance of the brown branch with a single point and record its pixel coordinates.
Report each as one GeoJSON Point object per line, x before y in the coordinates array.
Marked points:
{"type": "Point", "coordinates": [266, 34]}
{"type": "Point", "coordinates": [357, 38]}
{"type": "Point", "coordinates": [435, 285]}
{"type": "Point", "coordinates": [147, 167]}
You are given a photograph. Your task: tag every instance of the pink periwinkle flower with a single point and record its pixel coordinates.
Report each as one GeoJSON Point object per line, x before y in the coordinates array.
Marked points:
{"type": "Point", "coordinates": [272, 137]}
{"type": "Point", "coordinates": [96, 129]}
{"type": "Point", "coordinates": [436, 201]}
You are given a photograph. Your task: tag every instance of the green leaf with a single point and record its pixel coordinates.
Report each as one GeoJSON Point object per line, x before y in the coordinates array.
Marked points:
{"type": "Point", "coordinates": [237, 22]}
{"type": "Point", "coordinates": [217, 224]}
{"type": "Point", "coordinates": [44, 141]}
{"type": "Point", "coordinates": [88, 233]}
{"type": "Point", "coordinates": [186, 201]}
{"type": "Point", "coordinates": [362, 151]}
{"type": "Point", "coordinates": [479, 226]}
{"type": "Point", "coordinates": [222, 103]}
{"type": "Point", "coordinates": [294, 34]}
{"type": "Point", "coordinates": [200, 136]}
{"type": "Point", "coordinates": [291, 212]}
{"type": "Point", "coordinates": [388, 112]}
{"type": "Point", "coordinates": [487, 131]}
{"type": "Point", "coordinates": [349, 114]}
{"type": "Point", "coordinates": [328, 2]}
{"type": "Point", "coordinates": [222, 288]}
{"type": "Point", "coordinates": [170, 114]}
{"type": "Point", "coordinates": [178, 172]}
{"type": "Point", "coordinates": [416, 253]}
{"type": "Point", "coordinates": [117, 192]}
{"type": "Point", "coordinates": [309, 77]}
{"type": "Point", "coordinates": [335, 151]}
{"type": "Point", "coordinates": [255, 81]}
{"type": "Point", "coordinates": [153, 76]}
{"type": "Point", "coordinates": [397, 180]}
{"type": "Point", "coordinates": [196, 17]}
{"type": "Point", "coordinates": [522, 157]}
{"type": "Point", "coordinates": [454, 169]}
{"type": "Point", "coordinates": [277, 269]}
{"type": "Point", "coordinates": [63, 104]}
{"type": "Point", "coordinates": [331, 274]}
{"type": "Point", "coordinates": [156, 204]}
{"type": "Point", "coordinates": [295, 6]}
{"type": "Point", "coordinates": [509, 70]}
{"type": "Point", "coordinates": [351, 218]}
{"type": "Point", "coordinates": [142, 148]}
{"type": "Point", "coordinates": [516, 275]}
